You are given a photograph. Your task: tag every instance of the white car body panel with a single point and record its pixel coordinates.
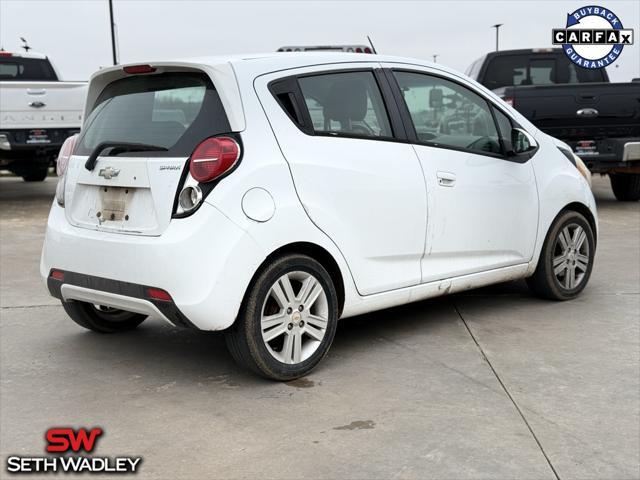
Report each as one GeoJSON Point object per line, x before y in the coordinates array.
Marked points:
{"type": "Point", "coordinates": [367, 196]}
{"type": "Point", "coordinates": [206, 261]}
{"type": "Point", "coordinates": [153, 181]}
{"type": "Point", "coordinates": [486, 220]}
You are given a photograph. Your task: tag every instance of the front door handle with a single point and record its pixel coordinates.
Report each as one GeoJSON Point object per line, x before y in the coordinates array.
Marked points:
{"type": "Point", "coordinates": [446, 179]}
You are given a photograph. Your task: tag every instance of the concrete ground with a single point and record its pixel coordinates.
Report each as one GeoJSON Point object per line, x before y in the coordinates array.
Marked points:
{"type": "Point", "coordinates": [490, 384]}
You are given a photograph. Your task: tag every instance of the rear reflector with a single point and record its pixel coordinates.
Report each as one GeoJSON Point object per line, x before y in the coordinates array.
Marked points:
{"type": "Point", "coordinates": [213, 157]}
{"type": "Point", "coordinates": [158, 294]}
{"type": "Point", "coordinates": [57, 275]}
{"type": "Point", "coordinates": [133, 69]}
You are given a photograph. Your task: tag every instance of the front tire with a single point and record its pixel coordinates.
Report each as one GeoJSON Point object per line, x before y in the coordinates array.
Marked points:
{"type": "Point", "coordinates": [287, 321]}
{"type": "Point", "coordinates": [566, 259]}
{"type": "Point", "coordinates": [625, 186]}
{"type": "Point", "coordinates": [102, 319]}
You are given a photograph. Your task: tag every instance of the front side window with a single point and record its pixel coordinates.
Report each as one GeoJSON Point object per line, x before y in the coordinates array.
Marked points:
{"type": "Point", "coordinates": [346, 103]}
{"type": "Point", "coordinates": [447, 114]}
{"type": "Point", "coordinates": [504, 124]}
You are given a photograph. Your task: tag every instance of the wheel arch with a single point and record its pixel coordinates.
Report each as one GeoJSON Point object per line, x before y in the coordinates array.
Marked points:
{"type": "Point", "coordinates": [316, 252]}
{"type": "Point", "coordinates": [575, 206]}
{"type": "Point", "coordinates": [582, 209]}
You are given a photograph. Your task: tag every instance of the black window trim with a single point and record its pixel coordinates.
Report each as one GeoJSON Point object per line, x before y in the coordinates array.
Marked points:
{"type": "Point", "coordinates": [410, 129]}
{"type": "Point", "coordinates": [398, 130]}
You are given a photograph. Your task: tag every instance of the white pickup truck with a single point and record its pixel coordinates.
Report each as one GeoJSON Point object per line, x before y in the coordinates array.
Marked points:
{"type": "Point", "coordinates": [37, 113]}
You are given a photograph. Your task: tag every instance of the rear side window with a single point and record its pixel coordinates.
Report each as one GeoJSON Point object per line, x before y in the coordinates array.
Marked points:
{"type": "Point", "coordinates": [508, 70]}
{"type": "Point", "coordinates": [446, 114]}
{"type": "Point", "coordinates": [174, 111]}
{"type": "Point", "coordinates": [26, 69]}
{"type": "Point", "coordinates": [346, 103]}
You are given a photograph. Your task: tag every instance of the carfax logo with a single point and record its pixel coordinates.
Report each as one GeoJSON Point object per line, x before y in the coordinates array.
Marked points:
{"type": "Point", "coordinates": [65, 440]}
{"type": "Point", "coordinates": [593, 38]}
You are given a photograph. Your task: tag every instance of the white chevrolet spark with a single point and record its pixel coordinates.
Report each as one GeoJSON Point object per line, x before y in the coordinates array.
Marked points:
{"type": "Point", "coordinates": [269, 196]}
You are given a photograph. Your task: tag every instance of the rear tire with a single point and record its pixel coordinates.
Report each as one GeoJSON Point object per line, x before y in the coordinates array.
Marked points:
{"type": "Point", "coordinates": [287, 321]}
{"type": "Point", "coordinates": [102, 319]}
{"type": "Point", "coordinates": [566, 260]}
{"type": "Point", "coordinates": [36, 175]}
{"type": "Point", "coordinates": [625, 186]}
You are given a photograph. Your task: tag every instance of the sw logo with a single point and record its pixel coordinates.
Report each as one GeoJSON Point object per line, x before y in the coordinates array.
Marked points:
{"type": "Point", "coordinates": [593, 37]}
{"type": "Point", "coordinates": [65, 440]}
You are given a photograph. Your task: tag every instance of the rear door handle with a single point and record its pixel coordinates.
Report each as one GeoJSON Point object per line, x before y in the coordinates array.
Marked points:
{"type": "Point", "coordinates": [446, 179]}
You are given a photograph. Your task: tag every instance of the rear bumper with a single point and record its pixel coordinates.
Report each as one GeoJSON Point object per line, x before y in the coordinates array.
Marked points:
{"type": "Point", "coordinates": [116, 294]}
{"type": "Point", "coordinates": [204, 262]}
{"type": "Point", "coordinates": [24, 140]}
{"type": "Point", "coordinates": [613, 153]}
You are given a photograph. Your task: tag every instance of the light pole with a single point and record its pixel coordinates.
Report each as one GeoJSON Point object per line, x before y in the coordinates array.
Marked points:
{"type": "Point", "coordinates": [497, 27]}
{"type": "Point", "coordinates": [113, 37]}
{"type": "Point", "coordinates": [435, 55]}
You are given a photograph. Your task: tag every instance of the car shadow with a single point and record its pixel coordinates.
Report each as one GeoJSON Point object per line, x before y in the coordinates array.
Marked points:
{"type": "Point", "coordinates": [162, 354]}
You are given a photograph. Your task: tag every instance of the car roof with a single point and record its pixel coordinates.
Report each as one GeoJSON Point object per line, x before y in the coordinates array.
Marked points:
{"type": "Point", "coordinates": [274, 61]}
{"type": "Point", "coordinates": [300, 59]}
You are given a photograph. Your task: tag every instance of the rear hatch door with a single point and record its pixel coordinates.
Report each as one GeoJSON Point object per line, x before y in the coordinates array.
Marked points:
{"type": "Point", "coordinates": [132, 189]}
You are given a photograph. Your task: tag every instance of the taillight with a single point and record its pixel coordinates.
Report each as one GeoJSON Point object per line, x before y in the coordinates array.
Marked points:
{"type": "Point", "coordinates": [134, 69]}
{"type": "Point", "coordinates": [61, 166]}
{"type": "Point", "coordinates": [213, 157]}
{"type": "Point", "coordinates": [65, 154]}
{"type": "Point", "coordinates": [367, 50]}
{"type": "Point", "coordinates": [510, 101]}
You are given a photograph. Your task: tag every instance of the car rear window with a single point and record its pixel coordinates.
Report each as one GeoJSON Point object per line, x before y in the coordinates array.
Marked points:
{"type": "Point", "coordinates": [508, 70]}
{"type": "Point", "coordinates": [26, 69]}
{"type": "Point", "coordinates": [175, 111]}
{"type": "Point", "coordinates": [346, 103]}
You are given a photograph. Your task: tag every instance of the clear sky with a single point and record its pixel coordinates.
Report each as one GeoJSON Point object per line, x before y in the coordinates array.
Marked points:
{"type": "Point", "coordinates": [75, 33]}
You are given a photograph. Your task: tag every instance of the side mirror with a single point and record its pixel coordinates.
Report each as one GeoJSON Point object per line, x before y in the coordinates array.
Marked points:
{"type": "Point", "coordinates": [435, 98]}
{"type": "Point", "coordinates": [521, 142]}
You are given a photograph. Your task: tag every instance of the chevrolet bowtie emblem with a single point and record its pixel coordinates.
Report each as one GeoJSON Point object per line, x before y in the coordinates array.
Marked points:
{"type": "Point", "coordinates": [109, 172]}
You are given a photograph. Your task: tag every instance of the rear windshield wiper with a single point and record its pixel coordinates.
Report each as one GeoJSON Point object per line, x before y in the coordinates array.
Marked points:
{"type": "Point", "coordinates": [119, 147]}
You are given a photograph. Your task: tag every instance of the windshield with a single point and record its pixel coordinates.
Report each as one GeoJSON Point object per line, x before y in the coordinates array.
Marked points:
{"type": "Point", "coordinates": [174, 111]}
{"type": "Point", "coordinates": [19, 69]}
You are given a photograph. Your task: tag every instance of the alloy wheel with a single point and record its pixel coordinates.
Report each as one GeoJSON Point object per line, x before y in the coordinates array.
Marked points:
{"type": "Point", "coordinates": [571, 256]}
{"type": "Point", "coordinates": [294, 317]}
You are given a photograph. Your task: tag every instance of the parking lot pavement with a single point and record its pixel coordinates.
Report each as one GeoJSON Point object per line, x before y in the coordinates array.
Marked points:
{"type": "Point", "coordinates": [493, 383]}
